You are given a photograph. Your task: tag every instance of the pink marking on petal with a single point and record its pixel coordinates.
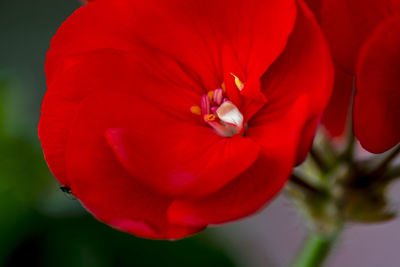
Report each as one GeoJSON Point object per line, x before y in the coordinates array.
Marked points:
{"type": "Point", "coordinates": [224, 100]}
{"type": "Point", "coordinates": [205, 105]}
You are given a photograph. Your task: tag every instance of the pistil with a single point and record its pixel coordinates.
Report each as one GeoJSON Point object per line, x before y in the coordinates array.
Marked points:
{"type": "Point", "coordinates": [220, 113]}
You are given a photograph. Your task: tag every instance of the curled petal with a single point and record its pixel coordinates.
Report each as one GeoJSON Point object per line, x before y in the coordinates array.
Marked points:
{"type": "Point", "coordinates": [105, 187]}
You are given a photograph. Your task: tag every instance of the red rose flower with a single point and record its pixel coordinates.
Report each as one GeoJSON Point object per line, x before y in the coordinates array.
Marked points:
{"type": "Point", "coordinates": [352, 26]}
{"type": "Point", "coordinates": [164, 116]}
{"type": "Point", "coordinates": [347, 25]}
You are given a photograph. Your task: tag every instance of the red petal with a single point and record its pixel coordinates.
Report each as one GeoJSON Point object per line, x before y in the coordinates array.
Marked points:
{"type": "Point", "coordinates": [347, 23]}
{"type": "Point", "coordinates": [257, 30]}
{"type": "Point", "coordinates": [99, 181]}
{"type": "Point", "coordinates": [376, 107]}
{"type": "Point", "coordinates": [336, 115]}
{"type": "Point", "coordinates": [259, 184]}
{"type": "Point", "coordinates": [187, 160]}
{"type": "Point", "coordinates": [96, 26]}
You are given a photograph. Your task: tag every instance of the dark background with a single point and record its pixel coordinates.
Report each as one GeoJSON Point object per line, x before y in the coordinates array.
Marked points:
{"type": "Point", "coordinates": [41, 226]}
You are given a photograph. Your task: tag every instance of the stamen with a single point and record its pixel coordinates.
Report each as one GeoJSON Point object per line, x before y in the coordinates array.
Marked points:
{"type": "Point", "coordinates": [229, 113]}
{"type": "Point", "coordinates": [205, 105]}
{"type": "Point", "coordinates": [195, 110]}
{"type": "Point", "coordinates": [210, 117]}
{"type": "Point", "coordinates": [214, 110]}
{"type": "Point", "coordinates": [210, 95]}
{"type": "Point", "coordinates": [223, 87]}
{"type": "Point", "coordinates": [238, 82]}
{"type": "Point", "coordinates": [218, 95]}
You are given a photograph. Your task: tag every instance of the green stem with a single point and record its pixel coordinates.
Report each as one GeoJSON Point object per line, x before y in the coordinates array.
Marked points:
{"type": "Point", "coordinates": [315, 250]}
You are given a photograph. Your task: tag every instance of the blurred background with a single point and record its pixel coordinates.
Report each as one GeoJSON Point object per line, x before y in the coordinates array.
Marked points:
{"type": "Point", "coordinates": [42, 226]}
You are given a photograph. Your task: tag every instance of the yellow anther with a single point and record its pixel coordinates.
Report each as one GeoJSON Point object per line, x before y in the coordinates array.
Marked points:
{"type": "Point", "coordinates": [238, 82]}
{"type": "Point", "coordinates": [195, 110]}
{"type": "Point", "coordinates": [223, 87]}
{"type": "Point", "coordinates": [210, 95]}
{"type": "Point", "coordinates": [210, 117]}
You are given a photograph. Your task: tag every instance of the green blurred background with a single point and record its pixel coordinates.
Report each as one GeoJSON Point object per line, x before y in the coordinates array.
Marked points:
{"type": "Point", "coordinates": [40, 225]}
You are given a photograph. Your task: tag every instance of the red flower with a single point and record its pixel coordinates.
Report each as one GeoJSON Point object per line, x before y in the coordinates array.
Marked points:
{"type": "Point", "coordinates": [352, 26]}
{"type": "Point", "coordinates": [347, 24]}
{"type": "Point", "coordinates": [164, 116]}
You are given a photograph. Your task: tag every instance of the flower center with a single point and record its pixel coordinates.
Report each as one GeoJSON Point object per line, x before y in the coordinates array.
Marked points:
{"type": "Point", "coordinates": [219, 112]}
